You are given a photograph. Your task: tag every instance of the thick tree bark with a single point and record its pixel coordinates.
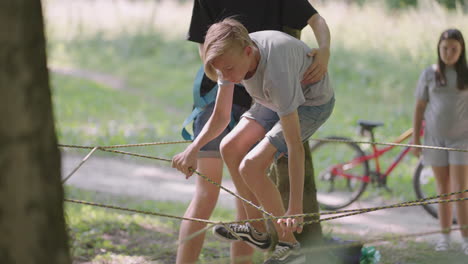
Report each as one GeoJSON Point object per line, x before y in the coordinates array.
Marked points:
{"type": "Point", "coordinates": [32, 224]}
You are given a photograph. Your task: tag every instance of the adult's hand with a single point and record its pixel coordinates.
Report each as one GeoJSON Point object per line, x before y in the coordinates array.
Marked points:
{"type": "Point", "coordinates": [319, 67]}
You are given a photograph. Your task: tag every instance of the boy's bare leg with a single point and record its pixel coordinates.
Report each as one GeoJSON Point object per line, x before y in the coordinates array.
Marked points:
{"type": "Point", "coordinates": [253, 170]}
{"type": "Point", "coordinates": [442, 176]}
{"type": "Point", "coordinates": [234, 147]}
{"type": "Point", "coordinates": [459, 178]}
{"type": "Point", "coordinates": [201, 206]}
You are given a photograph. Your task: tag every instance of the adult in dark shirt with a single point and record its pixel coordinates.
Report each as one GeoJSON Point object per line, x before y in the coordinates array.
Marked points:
{"type": "Point", "coordinates": [289, 16]}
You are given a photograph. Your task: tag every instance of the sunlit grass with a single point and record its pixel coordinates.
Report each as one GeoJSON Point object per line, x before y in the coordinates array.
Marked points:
{"type": "Point", "coordinates": [377, 56]}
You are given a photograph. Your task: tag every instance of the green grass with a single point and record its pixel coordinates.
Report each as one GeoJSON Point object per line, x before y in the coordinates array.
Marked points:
{"type": "Point", "coordinates": [98, 234]}
{"type": "Point", "coordinates": [374, 68]}
{"type": "Point", "coordinates": [103, 236]}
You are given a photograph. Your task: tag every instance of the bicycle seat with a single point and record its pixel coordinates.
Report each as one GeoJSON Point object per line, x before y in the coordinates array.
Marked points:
{"type": "Point", "coordinates": [369, 125]}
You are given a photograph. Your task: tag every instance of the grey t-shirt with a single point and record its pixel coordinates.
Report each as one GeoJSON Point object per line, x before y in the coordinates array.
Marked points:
{"type": "Point", "coordinates": [276, 83]}
{"type": "Point", "coordinates": [446, 113]}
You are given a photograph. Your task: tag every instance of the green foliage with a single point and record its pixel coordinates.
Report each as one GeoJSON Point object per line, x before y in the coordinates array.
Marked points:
{"type": "Point", "coordinates": [398, 4]}
{"type": "Point", "coordinates": [404, 4]}
{"type": "Point", "coordinates": [452, 4]}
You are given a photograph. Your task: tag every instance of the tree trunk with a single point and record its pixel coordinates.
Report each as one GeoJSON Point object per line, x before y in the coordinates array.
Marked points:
{"type": "Point", "coordinates": [279, 173]}
{"type": "Point", "coordinates": [32, 225]}
{"type": "Point", "coordinates": [312, 233]}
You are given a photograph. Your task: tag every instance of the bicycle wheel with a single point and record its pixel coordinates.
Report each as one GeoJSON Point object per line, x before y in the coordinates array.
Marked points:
{"type": "Point", "coordinates": [424, 184]}
{"type": "Point", "coordinates": [336, 191]}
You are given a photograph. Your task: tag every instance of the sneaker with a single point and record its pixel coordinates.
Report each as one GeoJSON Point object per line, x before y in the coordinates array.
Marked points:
{"type": "Point", "coordinates": [442, 245]}
{"type": "Point", "coordinates": [287, 253]}
{"type": "Point", "coordinates": [245, 233]}
{"type": "Point", "coordinates": [464, 248]}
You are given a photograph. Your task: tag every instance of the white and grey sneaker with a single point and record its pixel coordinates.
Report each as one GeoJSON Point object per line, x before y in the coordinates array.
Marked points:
{"type": "Point", "coordinates": [245, 233]}
{"type": "Point", "coordinates": [442, 245]}
{"type": "Point", "coordinates": [464, 248]}
{"type": "Point", "coordinates": [287, 253]}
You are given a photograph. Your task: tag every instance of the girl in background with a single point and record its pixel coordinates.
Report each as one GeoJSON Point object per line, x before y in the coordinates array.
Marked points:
{"type": "Point", "coordinates": [442, 101]}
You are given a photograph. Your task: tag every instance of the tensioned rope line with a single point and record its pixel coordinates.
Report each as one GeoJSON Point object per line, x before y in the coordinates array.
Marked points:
{"type": "Point", "coordinates": [199, 174]}
{"type": "Point", "coordinates": [361, 211]}
{"type": "Point", "coordinates": [127, 145]}
{"type": "Point", "coordinates": [314, 139]}
{"type": "Point", "coordinates": [357, 243]}
{"type": "Point", "coordinates": [138, 211]}
{"type": "Point", "coordinates": [269, 216]}
{"type": "Point", "coordinates": [80, 164]}
{"type": "Point", "coordinates": [358, 211]}
{"type": "Point", "coordinates": [211, 223]}
{"type": "Point", "coordinates": [371, 241]}
{"type": "Point", "coordinates": [388, 207]}
{"type": "Point", "coordinates": [389, 144]}
{"type": "Point", "coordinates": [366, 210]}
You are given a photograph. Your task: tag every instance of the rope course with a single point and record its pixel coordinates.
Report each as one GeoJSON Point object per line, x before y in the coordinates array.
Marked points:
{"type": "Point", "coordinates": [344, 212]}
{"type": "Point", "coordinates": [305, 250]}
{"type": "Point", "coordinates": [374, 241]}
{"type": "Point", "coordinates": [268, 217]}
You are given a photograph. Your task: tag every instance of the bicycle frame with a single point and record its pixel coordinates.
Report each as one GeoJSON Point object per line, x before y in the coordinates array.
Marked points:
{"type": "Point", "coordinates": [340, 169]}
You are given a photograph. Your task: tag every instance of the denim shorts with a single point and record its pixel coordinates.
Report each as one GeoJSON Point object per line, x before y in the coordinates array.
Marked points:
{"type": "Point", "coordinates": [310, 119]}
{"type": "Point", "coordinates": [211, 149]}
{"type": "Point", "coordinates": [442, 158]}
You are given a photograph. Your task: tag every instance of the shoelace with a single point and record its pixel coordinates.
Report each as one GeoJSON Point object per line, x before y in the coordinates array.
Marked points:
{"type": "Point", "coordinates": [280, 251]}
{"type": "Point", "coordinates": [239, 228]}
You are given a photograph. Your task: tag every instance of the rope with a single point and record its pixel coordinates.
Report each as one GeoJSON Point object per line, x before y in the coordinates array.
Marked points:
{"type": "Point", "coordinates": [139, 211]}
{"type": "Point", "coordinates": [351, 212]}
{"type": "Point", "coordinates": [199, 174]}
{"type": "Point", "coordinates": [79, 165]}
{"type": "Point", "coordinates": [315, 139]}
{"type": "Point", "coordinates": [268, 217]}
{"type": "Point", "coordinates": [126, 145]}
{"type": "Point", "coordinates": [359, 211]}
{"type": "Point", "coordinates": [353, 244]}
{"type": "Point", "coordinates": [388, 144]}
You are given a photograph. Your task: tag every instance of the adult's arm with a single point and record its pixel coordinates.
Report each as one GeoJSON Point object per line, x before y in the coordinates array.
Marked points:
{"type": "Point", "coordinates": [321, 55]}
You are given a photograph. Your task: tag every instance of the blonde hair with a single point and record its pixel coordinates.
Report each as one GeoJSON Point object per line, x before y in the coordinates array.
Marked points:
{"type": "Point", "coordinates": [222, 37]}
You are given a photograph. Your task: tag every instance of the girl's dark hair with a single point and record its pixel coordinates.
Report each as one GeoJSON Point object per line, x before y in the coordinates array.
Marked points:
{"type": "Point", "coordinates": [460, 66]}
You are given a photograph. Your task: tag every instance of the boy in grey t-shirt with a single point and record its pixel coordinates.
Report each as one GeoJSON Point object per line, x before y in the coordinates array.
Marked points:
{"type": "Point", "coordinates": [270, 65]}
{"type": "Point", "coordinates": [276, 82]}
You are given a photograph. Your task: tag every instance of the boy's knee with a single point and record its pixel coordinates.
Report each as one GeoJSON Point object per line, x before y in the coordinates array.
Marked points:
{"type": "Point", "coordinates": [226, 144]}
{"type": "Point", "coordinates": [247, 169]}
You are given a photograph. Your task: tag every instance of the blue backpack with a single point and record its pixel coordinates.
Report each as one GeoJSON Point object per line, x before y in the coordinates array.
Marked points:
{"type": "Point", "coordinates": [199, 103]}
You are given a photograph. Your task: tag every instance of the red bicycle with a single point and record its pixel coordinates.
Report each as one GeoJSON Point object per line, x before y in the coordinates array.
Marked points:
{"type": "Point", "coordinates": [344, 169]}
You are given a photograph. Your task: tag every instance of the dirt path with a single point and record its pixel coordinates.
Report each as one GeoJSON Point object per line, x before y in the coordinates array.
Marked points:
{"type": "Point", "coordinates": [144, 180]}
{"type": "Point", "coordinates": [156, 182]}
